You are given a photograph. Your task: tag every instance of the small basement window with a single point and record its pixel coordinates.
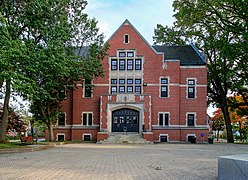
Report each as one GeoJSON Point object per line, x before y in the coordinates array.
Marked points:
{"type": "Point", "coordinates": [163, 139]}
{"type": "Point", "coordinates": [192, 139]}
{"type": "Point", "coordinates": [61, 137]}
{"type": "Point", "coordinates": [87, 137]}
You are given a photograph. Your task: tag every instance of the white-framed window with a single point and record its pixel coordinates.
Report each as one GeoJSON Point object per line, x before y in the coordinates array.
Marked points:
{"type": "Point", "coordinates": [191, 88]}
{"type": "Point", "coordinates": [122, 54]}
{"type": "Point", "coordinates": [130, 64]}
{"type": "Point", "coordinates": [130, 53]}
{"type": "Point", "coordinates": [126, 60]}
{"type": "Point", "coordinates": [87, 137]}
{"type": "Point", "coordinates": [60, 137]}
{"type": "Point", "coordinates": [87, 118]}
{"type": "Point", "coordinates": [126, 39]}
{"type": "Point", "coordinates": [129, 89]}
{"type": "Point", "coordinates": [113, 89]}
{"type": "Point", "coordinates": [122, 64]}
{"type": "Point", "coordinates": [164, 87]}
{"type": "Point", "coordinates": [191, 119]}
{"type": "Point", "coordinates": [138, 64]}
{"type": "Point", "coordinates": [163, 119]}
{"type": "Point", "coordinates": [61, 119]}
{"type": "Point", "coordinates": [126, 86]}
{"type": "Point", "coordinates": [163, 137]}
{"type": "Point", "coordinates": [114, 65]}
{"type": "Point", "coordinates": [191, 138]}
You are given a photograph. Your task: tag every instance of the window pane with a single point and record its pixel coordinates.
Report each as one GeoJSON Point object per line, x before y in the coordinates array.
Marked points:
{"type": "Point", "coordinates": [113, 89]}
{"type": "Point", "coordinates": [161, 119]}
{"type": "Point", "coordinates": [191, 119]}
{"type": "Point", "coordinates": [164, 81]}
{"type": "Point", "coordinates": [126, 38]}
{"type": "Point", "coordinates": [130, 54]}
{"type": "Point", "coordinates": [191, 92]}
{"type": "Point", "coordinates": [122, 64]}
{"type": "Point", "coordinates": [129, 64]}
{"type": "Point", "coordinates": [137, 81]}
{"type": "Point", "coordinates": [90, 119]}
{"type": "Point", "coordinates": [164, 92]}
{"type": "Point", "coordinates": [135, 121]}
{"type": "Point", "coordinates": [121, 81]}
{"type": "Point", "coordinates": [113, 81]}
{"type": "Point", "coordinates": [166, 119]}
{"type": "Point", "coordinates": [122, 54]}
{"type": "Point", "coordinates": [129, 88]}
{"type": "Point", "coordinates": [87, 91]}
{"type": "Point", "coordinates": [113, 64]}
{"type": "Point", "coordinates": [191, 82]}
{"type": "Point", "coordinates": [137, 64]}
{"type": "Point", "coordinates": [138, 89]}
{"type": "Point", "coordinates": [122, 89]}
{"type": "Point", "coordinates": [84, 119]}
{"type": "Point", "coordinates": [129, 81]}
{"type": "Point", "coordinates": [191, 89]}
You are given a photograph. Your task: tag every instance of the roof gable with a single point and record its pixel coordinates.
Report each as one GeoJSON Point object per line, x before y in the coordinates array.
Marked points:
{"type": "Point", "coordinates": [127, 22]}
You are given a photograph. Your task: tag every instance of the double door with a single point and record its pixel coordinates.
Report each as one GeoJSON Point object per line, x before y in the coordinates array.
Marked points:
{"type": "Point", "coordinates": [125, 120]}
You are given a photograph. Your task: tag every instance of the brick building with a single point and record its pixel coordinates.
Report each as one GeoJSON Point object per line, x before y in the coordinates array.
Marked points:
{"type": "Point", "coordinates": [157, 91]}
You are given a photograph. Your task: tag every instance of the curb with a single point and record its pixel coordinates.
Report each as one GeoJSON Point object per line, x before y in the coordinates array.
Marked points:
{"type": "Point", "coordinates": [29, 149]}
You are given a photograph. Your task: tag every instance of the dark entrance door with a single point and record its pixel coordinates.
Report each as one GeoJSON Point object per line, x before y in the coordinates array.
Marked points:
{"type": "Point", "coordinates": [125, 120]}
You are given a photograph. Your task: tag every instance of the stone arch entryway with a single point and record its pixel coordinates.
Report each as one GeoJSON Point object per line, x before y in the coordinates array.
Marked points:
{"type": "Point", "coordinates": [125, 120]}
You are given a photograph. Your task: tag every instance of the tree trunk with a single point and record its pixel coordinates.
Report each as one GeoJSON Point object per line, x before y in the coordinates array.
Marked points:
{"type": "Point", "coordinates": [218, 134]}
{"type": "Point", "coordinates": [1, 83]}
{"type": "Point", "coordinates": [5, 116]}
{"type": "Point", "coordinates": [240, 131]}
{"type": "Point", "coordinates": [224, 109]}
{"type": "Point", "coordinates": [50, 130]}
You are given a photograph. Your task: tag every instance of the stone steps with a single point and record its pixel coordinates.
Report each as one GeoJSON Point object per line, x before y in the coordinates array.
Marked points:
{"type": "Point", "coordinates": [125, 139]}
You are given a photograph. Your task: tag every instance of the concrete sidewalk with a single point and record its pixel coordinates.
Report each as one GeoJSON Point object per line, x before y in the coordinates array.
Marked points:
{"type": "Point", "coordinates": [102, 161]}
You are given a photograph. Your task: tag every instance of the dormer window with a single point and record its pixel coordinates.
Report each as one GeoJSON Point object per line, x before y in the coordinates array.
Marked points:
{"type": "Point", "coordinates": [126, 39]}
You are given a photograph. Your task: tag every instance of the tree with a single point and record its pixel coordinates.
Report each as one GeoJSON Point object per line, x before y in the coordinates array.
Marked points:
{"type": "Point", "coordinates": [59, 67]}
{"type": "Point", "coordinates": [219, 30]}
{"type": "Point", "coordinates": [11, 53]}
{"type": "Point", "coordinates": [239, 114]}
{"type": "Point", "coordinates": [218, 122]}
{"type": "Point", "coordinates": [50, 32]}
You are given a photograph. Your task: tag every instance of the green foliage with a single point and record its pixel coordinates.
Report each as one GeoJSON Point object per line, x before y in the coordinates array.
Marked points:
{"type": "Point", "coordinates": [43, 51]}
{"type": "Point", "coordinates": [219, 30]}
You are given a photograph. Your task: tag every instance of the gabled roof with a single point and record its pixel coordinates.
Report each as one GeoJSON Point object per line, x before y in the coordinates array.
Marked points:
{"type": "Point", "coordinates": [128, 22]}
{"type": "Point", "coordinates": [187, 54]}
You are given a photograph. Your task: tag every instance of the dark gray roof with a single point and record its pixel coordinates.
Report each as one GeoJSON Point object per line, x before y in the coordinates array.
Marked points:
{"type": "Point", "coordinates": [83, 51]}
{"type": "Point", "coordinates": [188, 54]}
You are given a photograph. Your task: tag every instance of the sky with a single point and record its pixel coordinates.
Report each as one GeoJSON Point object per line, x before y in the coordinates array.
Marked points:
{"type": "Point", "coordinates": [144, 15]}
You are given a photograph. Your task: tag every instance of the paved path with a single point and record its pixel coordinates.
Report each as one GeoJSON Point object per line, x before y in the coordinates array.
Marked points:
{"type": "Point", "coordinates": [134, 162]}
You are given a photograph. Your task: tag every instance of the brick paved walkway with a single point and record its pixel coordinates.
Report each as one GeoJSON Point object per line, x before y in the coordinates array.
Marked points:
{"type": "Point", "coordinates": [134, 162]}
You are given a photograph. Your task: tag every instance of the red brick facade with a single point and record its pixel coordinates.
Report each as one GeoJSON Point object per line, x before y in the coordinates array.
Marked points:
{"type": "Point", "coordinates": [129, 85]}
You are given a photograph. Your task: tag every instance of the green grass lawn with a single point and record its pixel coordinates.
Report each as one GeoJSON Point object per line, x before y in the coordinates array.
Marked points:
{"type": "Point", "coordinates": [11, 145]}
